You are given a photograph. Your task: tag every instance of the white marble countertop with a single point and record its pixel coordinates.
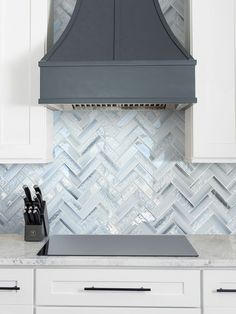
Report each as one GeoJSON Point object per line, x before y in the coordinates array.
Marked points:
{"type": "Point", "coordinates": [214, 251]}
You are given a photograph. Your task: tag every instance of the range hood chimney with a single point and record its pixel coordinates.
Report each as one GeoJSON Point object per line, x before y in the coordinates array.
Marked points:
{"type": "Point", "coordinates": [117, 53]}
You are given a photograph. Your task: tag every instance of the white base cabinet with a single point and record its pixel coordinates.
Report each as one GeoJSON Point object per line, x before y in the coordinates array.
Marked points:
{"type": "Point", "coordinates": [16, 291]}
{"type": "Point", "coordinates": [219, 295]}
{"type": "Point", "coordinates": [117, 291]}
{"type": "Point", "coordinates": [219, 289]}
{"type": "Point", "coordinates": [68, 310]}
{"type": "Point", "coordinates": [16, 287]}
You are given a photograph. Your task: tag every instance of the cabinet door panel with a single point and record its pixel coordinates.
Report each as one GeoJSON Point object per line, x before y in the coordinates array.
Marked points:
{"type": "Point", "coordinates": [25, 126]}
{"type": "Point", "coordinates": [213, 282]}
{"type": "Point", "coordinates": [115, 311]}
{"type": "Point", "coordinates": [20, 278]}
{"type": "Point", "coordinates": [211, 123]}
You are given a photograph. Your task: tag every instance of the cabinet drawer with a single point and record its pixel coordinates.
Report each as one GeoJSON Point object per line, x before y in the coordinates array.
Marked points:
{"type": "Point", "coordinates": [116, 287]}
{"type": "Point", "coordinates": [16, 309]}
{"type": "Point", "coordinates": [22, 279]}
{"type": "Point", "coordinates": [214, 281]}
{"type": "Point", "coordinates": [67, 310]}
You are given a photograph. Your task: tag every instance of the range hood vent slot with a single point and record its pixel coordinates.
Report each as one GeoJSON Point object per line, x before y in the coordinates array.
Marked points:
{"type": "Point", "coordinates": [119, 106]}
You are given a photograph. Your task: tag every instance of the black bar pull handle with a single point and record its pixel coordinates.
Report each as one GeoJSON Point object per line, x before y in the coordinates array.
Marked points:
{"type": "Point", "coordinates": [225, 290]}
{"type": "Point", "coordinates": [10, 288]}
{"type": "Point", "coordinates": [116, 289]}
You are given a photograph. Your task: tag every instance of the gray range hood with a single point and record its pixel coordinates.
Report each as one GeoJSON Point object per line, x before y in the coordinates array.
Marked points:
{"type": "Point", "coordinates": [117, 53]}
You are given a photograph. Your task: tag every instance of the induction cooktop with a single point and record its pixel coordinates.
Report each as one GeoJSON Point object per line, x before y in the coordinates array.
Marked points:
{"type": "Point", "coordinates": [118, 245]}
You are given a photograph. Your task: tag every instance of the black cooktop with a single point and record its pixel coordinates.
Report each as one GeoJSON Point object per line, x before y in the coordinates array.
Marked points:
{"type": "Point", "coordinates": [118, 245]}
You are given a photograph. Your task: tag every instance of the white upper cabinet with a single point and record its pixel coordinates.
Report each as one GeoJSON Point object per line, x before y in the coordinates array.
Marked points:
{"type": "Point", "coordinates": [25, 126]}
{"type": "Point", "coordinates": [211, 123]}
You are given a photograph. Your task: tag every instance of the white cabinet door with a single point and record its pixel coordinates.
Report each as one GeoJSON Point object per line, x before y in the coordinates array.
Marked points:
{"type": "Point", "coordinates": [16, 287]}
{"type": "Point", "coordinates": [25, 126]}
{"type": "Point", "coordinates": [19, 309]}
{"type": "Point", "coordinates": [67, 310]}
{"type": "Point", "coordinates": [219, 289]}
{"type": "Point", "coordinates": [211, 123]}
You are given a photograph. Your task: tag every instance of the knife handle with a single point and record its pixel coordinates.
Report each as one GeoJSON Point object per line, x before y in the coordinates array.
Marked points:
{"type": "Point", "coordinates": [31, 217]}
{"type": "Point", "coordinates": [37, 218]}
{"type": "Point", "coordinates": [26, 217]}
{"type": "Point", "coordinates": [37, 189]}
{"type": "Point", "coordinates": [39, 197]}
{"type": "Point", "coordinates": [36, 208]}
{"type": "Point", "coordinates": [26, 201]}
{"type": "Point", "coordinates": [27, 192]}
{"type": "Point", "coordinates": [36, 201]}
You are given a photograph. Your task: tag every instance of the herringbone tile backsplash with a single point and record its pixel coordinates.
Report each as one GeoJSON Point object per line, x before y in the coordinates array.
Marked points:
{"type": "Point", "coordinates": [123, 171]}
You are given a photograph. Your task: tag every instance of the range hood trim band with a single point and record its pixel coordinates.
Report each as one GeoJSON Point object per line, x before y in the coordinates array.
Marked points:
{"type": "Point", "coordinates": [119, 63]}
{"type": "Point", "coordinates": [167, 101]}
{"type": "Point", "coordinates": [86, 84]}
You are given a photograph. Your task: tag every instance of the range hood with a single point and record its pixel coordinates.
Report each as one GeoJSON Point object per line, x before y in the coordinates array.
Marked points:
{"type": "Point", "coordinates": [117, 53]}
